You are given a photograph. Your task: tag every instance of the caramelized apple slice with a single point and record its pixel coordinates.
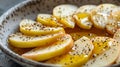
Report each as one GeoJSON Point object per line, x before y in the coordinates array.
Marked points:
{"type": "Point", "coordinates": [85, 9]}
{"type": "Point", "coordinates": [29, 27]}
{"type": "Point", "coordinates": [105, 57]}
{"type": "Point", "coordinates": [79, 54]}
{"type": "Point", "coordinates": [82, 20]}
{"type": "Point", "coordinates": [63, 45]}
{"type": "Point", "coordinates": [23, 41]}
{"type": "Point", "coordinates": [114, 21]}
{"type": "Point", "coordinates": [48, 20]}
{"type": "Point", "coordinates": [99, 15]}
{"type": "Point", "coordinates": [64, 14]}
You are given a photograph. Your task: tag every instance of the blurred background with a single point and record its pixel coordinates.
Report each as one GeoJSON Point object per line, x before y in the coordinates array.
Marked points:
{"type": "Point", "coordinates": [4, 6]}
{"type": "Point", "coordinates": [7, 4]}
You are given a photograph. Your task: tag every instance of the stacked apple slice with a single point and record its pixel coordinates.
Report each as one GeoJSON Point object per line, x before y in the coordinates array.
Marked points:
{"type": "Point", "coordinates": [64, 14]}
{"type": "Point", "coordinates": [78, 56]}
{"type": "Point", "coordinates": [95, 52]}
{"type": "Point", "coordinates": [100, 14]}
{"type": "Point", "coordinates": [60, 47]}
{"type": "Point", "coordinates": [82, 16]}
{"type": "Point", "coordinates": [105, 53]}
{"type": "Point", "coordinates": [51, 44]}
{"type": "Point", "coordinates": [47, 41]}
{"type": "Point", "coordinates": [48, 20]}
{"type": "Point", "coordinates": [24, 41]}
{"type": "Point", "coordinates": [30, 27]}
{"type": "Point", "coordinates": [114, 21]}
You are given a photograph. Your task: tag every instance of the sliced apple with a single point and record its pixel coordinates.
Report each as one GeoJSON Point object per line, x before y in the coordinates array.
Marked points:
{"type": "Point", "coordinates": [67, 21]}
{"type": "Point", "coordinates": [114, 21]}
{"type": "Point", "coordinates": [99, 15]}
{"type": "Point", "coordinates": [112, 26]}
{"type": "Point", "coordinates": [101, 44]}
{"type": "Point", "coordinates": [64, 14]}
{"type": "Point", "coordinates": [48, 20]}
{"type": "Point", "coordinates": [29, 27]}
{"type": "Point", "coordinates": [117, 37]}
{"type": "Point", "coordinates": [99, 21]}
{"type": "Point", "coordinates": [82, 16]}
{"type": "Point", "coordinates": [60, 47]}
{"type": "Point", "coordinates": [23, 41]}
{"type": "Point", "coordinates": [79, 54]}
{"type": "Point", "coordinates": [107, 57]}
{"type": "Point", "coordinates": [64, 10]}
{"type": "Point", "coordinates": [82, 20]}
{"type": "Point", "coordinates": [85, 9]}
{"type": "Point", "coordinates": [116, 13]}
{"type": "Point", "coordinates": [105, 8]}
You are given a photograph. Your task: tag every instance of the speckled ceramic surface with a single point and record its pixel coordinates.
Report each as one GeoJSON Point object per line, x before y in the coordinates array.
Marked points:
{"type": "Point", "coordinates": [29, 9]}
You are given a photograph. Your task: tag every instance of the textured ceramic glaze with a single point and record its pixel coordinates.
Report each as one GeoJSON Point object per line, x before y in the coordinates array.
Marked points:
{"type": "Point", "coordinates": [9, 22]}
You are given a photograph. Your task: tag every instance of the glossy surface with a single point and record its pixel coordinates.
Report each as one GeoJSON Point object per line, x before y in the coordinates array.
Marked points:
{"type": "Point", "coordinates": [30, 9]}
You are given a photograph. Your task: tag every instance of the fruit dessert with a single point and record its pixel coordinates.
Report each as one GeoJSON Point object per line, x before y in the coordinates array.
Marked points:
{"type": "Point", "coordinates": [72, 36]}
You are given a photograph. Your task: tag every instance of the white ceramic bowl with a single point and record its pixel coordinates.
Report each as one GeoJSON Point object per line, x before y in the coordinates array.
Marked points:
{"type": "Point", "coordinates": [29, 9]}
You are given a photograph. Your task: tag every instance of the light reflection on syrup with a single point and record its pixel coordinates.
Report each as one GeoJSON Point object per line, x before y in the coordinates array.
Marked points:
{"type": "Point", "coordinates": [76, 33]}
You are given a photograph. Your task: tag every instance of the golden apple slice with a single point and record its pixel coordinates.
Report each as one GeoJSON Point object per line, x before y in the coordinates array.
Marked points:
{"type": "Point", "coordinates": [85, 9]}
{"type": "Point", "coordinates": [67, 21]}
{"type": "Point", "coordinates": [101, 44]}
{"type": "Point", "coordinates": [82, 20]}
{"type": "Point", "coordinates": [63, 45]}
{"type": "Point", "coordinates": [99, 15]}
{"type": "Point", "coordinates": [79, 54]}
{"type": "Point", "coordinates": [29, 27]}
{"type": "Point", "coordinates": [48, 20]}
{"type": "Point", "coordinates": [105, 57]}
{"type": "Point", "coordinates": [112, 27]}
{"type": "Point", "coordinates": [64, 14]}
{"type": "Point", "coordinates": [82, 16]}
{"type": "Point", "coordinates": [23, 41]}
{"type": "Point", "coordinates": [114, 21]}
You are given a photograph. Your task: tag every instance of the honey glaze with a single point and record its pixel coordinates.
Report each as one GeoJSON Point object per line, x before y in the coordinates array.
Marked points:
{"type": "Point", "coordinates": [19, 51]}
{"type": "Point", "coordinates": [76, 33]}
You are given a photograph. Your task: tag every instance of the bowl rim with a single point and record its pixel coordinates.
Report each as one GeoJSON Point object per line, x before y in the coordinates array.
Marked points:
{"type": "Point", "coordinates": [17, 57]}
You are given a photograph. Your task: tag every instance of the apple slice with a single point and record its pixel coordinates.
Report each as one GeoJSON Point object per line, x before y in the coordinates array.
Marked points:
{"type": "Point", "coordinates": [107, 57]}
{"type": "Point", "coordinates": [48, 20]}
{"type": "Point", "coordinates": [116, 13]}
{"type": "Point", "coordinates": [112, 27]}
{"type": "Point", "coordinates": [85, 9]}
{"type": "Point", "coordinates": [79, 54]}
{"type": "Point", "coordinates": [99, 15]}
{"type": "Point", "coordinates": [64, 14]}
{"type": "Point", "coordinates": [63, 45]}
{"type": "Point", "coordinates": [64, 10]}
{"type": "Point", "coordinates": [82, 16]}
{"type": "Point", "coordinates": [101, 44]}
{"type": "Point", "coordinates": [114, 21]}
{"type": "Point", "coordinates": [29, 27]}
{"type": "Point", "coordinates": [83, 21]}
{"type": "Point", "coordinates": [23, 41]}
{"type": "Point", "coordinates": [117, 37]}
{"type": "Point", "coordinates": [105, 8]}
